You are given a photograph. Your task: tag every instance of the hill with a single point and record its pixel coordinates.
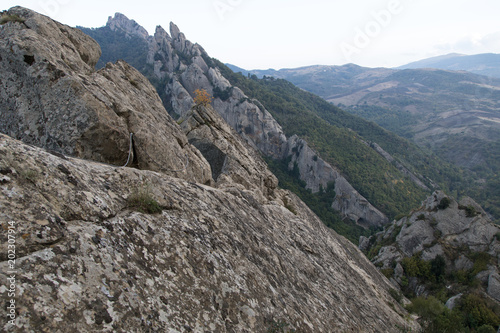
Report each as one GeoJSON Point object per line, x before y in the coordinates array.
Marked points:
{"type": "Point", "coordinates": [453, 114]}
{"type": "Point", "coordinates": [444, 255]}
{"type": "Point", "coordinates": [118, 219]}
{"type": "Point", "coordinates": [487, 64]}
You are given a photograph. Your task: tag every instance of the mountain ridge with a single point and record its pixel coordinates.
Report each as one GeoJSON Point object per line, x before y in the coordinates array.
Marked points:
{"type": "Point", "coordinates": [483, 64]}
{"type": "Point", "coordinates": [187, 247]}
{"type": "Point", "coordinates": [453, 114]}
{"type": "Point", "coordinates": [179, 70]}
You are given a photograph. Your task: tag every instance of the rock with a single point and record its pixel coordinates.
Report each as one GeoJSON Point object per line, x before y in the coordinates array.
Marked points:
{"type": "Point", "coordinates": [72, 47]}
{"type": "Point", "coordinates": [350, 203]}
{"type": "Point", "coordinates": [69, 108]}
{"type": "Point", "coordinates": [463, 263]}
{"type": "Point", "coordinates": [319, 174]}
{"type": "Point", "coordinates": [432, 252]}
{"type": "Point", "coordinates": [214, 259]}
{"type": "Point", "coordinates": [185, 67]}
{"type": "Point", "coordinates": [415, 236]}
{"type": "Point", "coordinates": [398, 272]}
{"type": "Point", "coordinates": [364, 243]}
{"type": "Point", "coordinates": [494, 286]}
{"type": "Point", "coordinates": [452, 302]}
{"type": "Point", "coordinates": [387, 256]}
{"type": "Point", "coordinates": [239, 256]}
{"type": "Point", "coordinates": [456, 231]}
{"type": "Point", "coordinates": [231, 159]}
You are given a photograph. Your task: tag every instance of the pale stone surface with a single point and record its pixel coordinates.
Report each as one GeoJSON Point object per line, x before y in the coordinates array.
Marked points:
{"type": "Point", "coordinates": [237, 258]}
{"type": "Point", "coordinates": [246, 116]}
{"type": "Point", "coordinates": [214, 259]}
{"type": "Point", "coordinates": [232, 161]}
{"type": "Point", "coordinates": [59, 102]}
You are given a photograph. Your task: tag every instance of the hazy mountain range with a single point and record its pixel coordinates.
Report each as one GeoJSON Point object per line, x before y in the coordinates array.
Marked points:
{"type": "Point", "coordinates": [163, 197]}
{"type": "Point", "coordinates": [455, 114]}
{"type": "Point", "coordinates": [487, 64]}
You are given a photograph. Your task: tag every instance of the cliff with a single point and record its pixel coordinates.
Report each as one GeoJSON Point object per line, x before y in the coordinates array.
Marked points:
{"type": "Point", "coordinates": [459, 233]}
{"type": "Point", "coordinates": [192, 236]}
{"type": "Point", "coordinates": [185, 67]}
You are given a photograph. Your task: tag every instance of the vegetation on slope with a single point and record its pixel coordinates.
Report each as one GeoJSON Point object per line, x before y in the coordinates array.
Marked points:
{"type": "Point", "coordinates": [338, 136]}
{"type": "Point", "coordinates": [320, 203]}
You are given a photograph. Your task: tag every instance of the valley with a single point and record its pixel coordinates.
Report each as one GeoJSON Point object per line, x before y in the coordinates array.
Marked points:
{"type": "Point", "coordinates": [154, 188]}
{"type": "Point", "coordinates": [455, 115]}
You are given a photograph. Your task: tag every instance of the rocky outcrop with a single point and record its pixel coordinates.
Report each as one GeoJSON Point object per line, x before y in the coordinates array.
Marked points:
{"type": "Point", "coordinates": [212, 260]}
{"type": "Point", "coordinates": [130, 27]}
{"type": "Point", "coordinates": [458, 232]}
{"type": "Point", "coordinates": [317, 174]}
{"type": "Point", "coordinates": [102, 248]}
{"type": "Point", "coordinates": [185, 67]}
{"type": "Point", "coordinates": [52, 97]}
{"type": "Point", "coordinates": [233, 162]}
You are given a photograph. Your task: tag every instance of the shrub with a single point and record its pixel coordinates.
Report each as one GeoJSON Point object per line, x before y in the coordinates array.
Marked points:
{"type": "Point", "coordinates": [396, 294]}
{"type": "Point", "coordinates": [481, 261]}
{"type": "Point", "coordinates": [279, 327]}
{"type": "Point", "coordinates": [438, 268]}
{"type": "Point", "coordinates": [470, 211]}
{"type": "Point", "coordinates": [202, 97]}
{"type": "Point", "coordinates": [416, 267]}
{"type": "Point", "coordinates": [444, 203]}
{"type": "Point", "coordinates": [224, 95]}
{"type": "Point", "coordinates": [10, 18]}
{"type": "Point", "coordinates": [428, 308]}
{"type": "Point", "coordinates": [388, 272]}
{"type": "Point", "coordinates": [142, 200]}
{"type": "Point", "coordinates": [29, 176]}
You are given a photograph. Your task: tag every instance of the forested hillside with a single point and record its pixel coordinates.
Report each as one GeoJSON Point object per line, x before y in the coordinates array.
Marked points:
{"type": "Point", "coordinates": [341, 139]}
{"type": "Point", "coordinates": [303, 112]}
{"type": "Point", "coordinates": [453, 114]}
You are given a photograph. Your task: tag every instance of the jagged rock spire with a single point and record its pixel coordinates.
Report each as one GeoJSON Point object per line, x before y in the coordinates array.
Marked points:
{"type": "Point", "coordinates": [130, 27]}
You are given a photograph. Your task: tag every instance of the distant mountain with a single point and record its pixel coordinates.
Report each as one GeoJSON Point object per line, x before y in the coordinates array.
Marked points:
{"type": "Point", "coordinates": [194, 235]}
{"type": "Point", "coordinates": [385, 171]}
{"type": "Point", "coordinates": [454, 114]}
{"type": "Point", "coordinates": [484, 64]}
{"type": "Point", "coordinates": [237, 69]}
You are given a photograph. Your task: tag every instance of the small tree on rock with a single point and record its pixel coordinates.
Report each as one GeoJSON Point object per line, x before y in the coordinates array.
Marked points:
{"type": "Point", "coordinates": [202, 97]}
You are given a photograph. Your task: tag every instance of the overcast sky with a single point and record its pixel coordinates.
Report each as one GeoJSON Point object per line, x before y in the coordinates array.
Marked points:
{"type": "Point", "coordinates": [261, 34]}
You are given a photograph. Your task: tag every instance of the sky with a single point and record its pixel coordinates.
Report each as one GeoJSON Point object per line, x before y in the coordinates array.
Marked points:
{"type": "Point", "coordinates": [262, 34]}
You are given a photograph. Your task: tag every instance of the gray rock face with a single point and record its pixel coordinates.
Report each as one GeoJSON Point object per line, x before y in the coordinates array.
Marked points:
{"type": "Point", "coordinates": [317, 173]}
{"type": "Point", "coordinates": [132, 28]}
{"type": "Point", "coordinates": [244, 256]}
{"type": "Point", "coordinates": [59, 102]}
{"type": "Point", "coordinates": [442, 226]}
{"type": "Point", "coordinates": [247, 117]}
{"type": "Point", "coordinates": [233, 162]}
{"type": "Point", "coordinates": [214, 259]}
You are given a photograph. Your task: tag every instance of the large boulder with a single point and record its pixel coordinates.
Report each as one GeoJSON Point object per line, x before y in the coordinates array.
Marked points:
{"type": "Point", "coordinates": [214, 259]}
{"type": "Point", "coordinates": [233, 162]}
{"type": "Point", "coordinates": [52, 97]}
